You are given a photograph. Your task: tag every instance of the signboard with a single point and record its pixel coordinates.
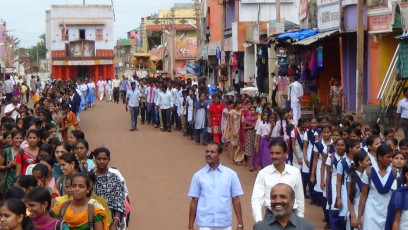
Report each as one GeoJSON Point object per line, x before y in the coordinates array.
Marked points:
{"type": "Point", "coordinates": [83, 62]}
{"type": "Point", "coordinates": [303, 9]}
{"type": "Point", "coordinates": [404, 15]}
{"type": "Point", "coordinates": [105, 53]}
{"type": "Point", "coordinates": [205, 52]}
{"type": "Point", "coordinates": [276, 27]}
{"type": "Point", "coordinates": [222, 58]}
{"type": "Point", "coordinates": [235, 47]}
{"type": "Point", "coordinates": [379, 23]}
{"type": "Point", "coordinates": [58, 53]}
{"type": "Point", "coordinates": [228, 44]}
{"type": "Point", "coordinates": [255, 33]}
{"type": "Point", "coordinates": [212, 48]}
{"type": "Point", "coordinates": [186, 47]}
{"type": "Point", "coordinates": [265, 1]}
{"type": "Point", "coordinates": [348, 2]}
{"type": "Point", "coordinates": [328, 16]}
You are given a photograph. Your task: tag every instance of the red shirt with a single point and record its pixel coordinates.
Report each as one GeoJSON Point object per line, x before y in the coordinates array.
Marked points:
{"type": "Point", "coordinates": [28, 159]}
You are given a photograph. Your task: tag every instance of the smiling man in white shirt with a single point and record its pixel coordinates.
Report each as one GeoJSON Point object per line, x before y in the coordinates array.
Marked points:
{"type": "Point", "coordinates": [278, 172]}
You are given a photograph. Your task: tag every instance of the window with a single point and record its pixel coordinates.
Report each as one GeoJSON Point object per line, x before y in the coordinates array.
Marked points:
{"type": "Point", "coordinates": [82, 34]}
{"type": "Point", "coordinates": [98, 34]}
{"type": "Point", "coordinates": [64, 35]}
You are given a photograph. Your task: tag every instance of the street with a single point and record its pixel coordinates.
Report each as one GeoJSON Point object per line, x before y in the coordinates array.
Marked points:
{"type": "Point", "coordinates": [158, 167]}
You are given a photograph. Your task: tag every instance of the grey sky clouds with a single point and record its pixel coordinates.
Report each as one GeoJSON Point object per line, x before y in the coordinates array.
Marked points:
{"type": "Point", "coordinates": [26, 18]}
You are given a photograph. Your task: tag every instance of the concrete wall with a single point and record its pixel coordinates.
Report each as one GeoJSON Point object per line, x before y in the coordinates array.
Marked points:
{"type": "Point", "coordinates": [95, 14]}
{"type": "Point", "coordinates": [249, 12]}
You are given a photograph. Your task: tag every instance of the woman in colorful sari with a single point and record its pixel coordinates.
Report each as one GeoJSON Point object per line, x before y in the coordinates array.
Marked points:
{"type": "Point", "coordinates": [215, 115]}
{"type": "Point", "coordinates": [75, 213]}
{"type": "Point", "coordinates": [8, 158]}
{"type": "Point", "coordinates": [38, 204]}
{"type": "Point", "coordinates": [232, 131]}
{"type": "Point", "coordinates": [70, 121]}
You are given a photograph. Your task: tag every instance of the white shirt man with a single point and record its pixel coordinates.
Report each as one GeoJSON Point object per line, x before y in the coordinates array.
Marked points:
{"type": "Point", "coordinates": [12, 107]}
{"type": "Point", "coordinates": [295, 95]}
{"type": "Point", "coordinates": [165, 100]}
{"type": "Point", "coordinates": [278, 172]}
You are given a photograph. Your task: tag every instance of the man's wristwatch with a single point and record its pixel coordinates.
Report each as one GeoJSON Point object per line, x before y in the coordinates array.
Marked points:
{"type": "Point", "coordinates": [240, 225]}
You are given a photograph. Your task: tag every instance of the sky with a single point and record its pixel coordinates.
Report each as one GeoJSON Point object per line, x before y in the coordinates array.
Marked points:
{"type": "Point", "coordinates": [25, 19]}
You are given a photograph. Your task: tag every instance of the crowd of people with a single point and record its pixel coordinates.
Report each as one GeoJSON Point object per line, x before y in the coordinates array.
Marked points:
{"type": "Point", "coordinates": [354, 171]}
{"type": "Point", "coordinates": [49, 177]}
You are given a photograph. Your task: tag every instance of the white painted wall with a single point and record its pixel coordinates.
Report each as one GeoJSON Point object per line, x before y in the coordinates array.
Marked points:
{"type": "Point", "coordinates": [80, 13]}
{"type": "Point", "coordinates": [249, 12]}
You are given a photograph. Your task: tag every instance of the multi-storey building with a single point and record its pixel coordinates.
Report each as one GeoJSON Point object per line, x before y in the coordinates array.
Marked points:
{"type": "Point", "coordinates": [80, 40]}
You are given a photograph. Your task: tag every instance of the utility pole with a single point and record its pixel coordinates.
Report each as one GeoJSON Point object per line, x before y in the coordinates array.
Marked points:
{"type": "Point", "coordinates": [278, 11]}
{"type": "Point", "coordinates": [197, 8]}
{"type": "Point", "coordinates": [222, 42]}
{"type": "Point", "coordinates": [360, 59]}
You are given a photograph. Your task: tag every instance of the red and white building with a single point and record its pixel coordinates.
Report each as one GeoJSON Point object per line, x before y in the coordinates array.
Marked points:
{"type": "Point", "coordinates": [80, 41]}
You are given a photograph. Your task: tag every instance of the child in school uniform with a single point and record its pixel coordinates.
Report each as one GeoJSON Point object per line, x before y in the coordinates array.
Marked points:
{"type": "Point", "coordinates": [376, 191]}
{"type": "Point", "coordinates": [337, 222]}
{"type": "Point", "coordinates": [318, 175]}
{"type": "Point", "coordinates": [343, 167]}
{"type": "Point", "coordinates": [397, 215]}
{"type": "Point", "coordinates": [297, 143]}
{"type": "Point", "coordinates": [308, 147]}
{"type": "Point", "coordinates": [262, 140]}
{"type": "Point", "coordinates": [355, 184]}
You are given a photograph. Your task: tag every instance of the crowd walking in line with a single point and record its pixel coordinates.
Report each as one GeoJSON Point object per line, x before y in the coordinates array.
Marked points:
{"type": "Point", "coordinates": [357, 173]}
{"type": "Point", "coordinates": [347, 168]}
{"type": "Point", "coordinates": [50, 178]}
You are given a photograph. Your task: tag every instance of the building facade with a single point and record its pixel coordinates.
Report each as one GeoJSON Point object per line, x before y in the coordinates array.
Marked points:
{"type": "Point", "coordinates": [80, 46]}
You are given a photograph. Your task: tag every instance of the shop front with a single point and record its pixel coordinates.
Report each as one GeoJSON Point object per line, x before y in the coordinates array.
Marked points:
{"type": "Point", "coordinates": [83, 69]}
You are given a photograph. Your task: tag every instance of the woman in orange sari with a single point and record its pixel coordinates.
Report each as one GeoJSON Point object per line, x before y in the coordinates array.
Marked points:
{"type": "Point", "coordinates": [70, 121]}
{"type": "Point", "coordinates": [215, 115]}
{"type": "Point", "coordinates": [75, 212]}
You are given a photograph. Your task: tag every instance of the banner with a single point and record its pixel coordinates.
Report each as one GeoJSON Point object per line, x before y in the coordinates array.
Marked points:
{"type": "Point", "coordinates": [328, 15]}
{"type": "Point", "coordinates": [404, 15]}
{"type": "Point", "coordinates": [302, 9]}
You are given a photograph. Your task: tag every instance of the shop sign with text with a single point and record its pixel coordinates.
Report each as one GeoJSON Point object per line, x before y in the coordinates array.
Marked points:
{"type": "Point", "coordinates": [328, 16]}
{"type": "Point", "coordinates": [379, 23]}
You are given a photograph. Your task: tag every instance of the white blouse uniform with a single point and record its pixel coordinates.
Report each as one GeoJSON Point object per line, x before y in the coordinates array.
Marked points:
{"type": "Point", "coordinates": [190, 107]}
{"type": "Point", "coordinates": [263, 130]}
{"type": "Point", "coordinates": [344, 199]}
{"type": "Point", "coordinates": [404, 219]}
{"type": "Point", "coordinates": [298, 149]}
{"type": "Point", "coordinates": [317, 187]}
{"type": "Point", "coordinates": [309, 152]}
{"type": "Point", "coordinates": [375, 211]}
{"type": "Point", "coordinates": [333, 176]}
{"type": "Point", "coordinates": [357, 195]}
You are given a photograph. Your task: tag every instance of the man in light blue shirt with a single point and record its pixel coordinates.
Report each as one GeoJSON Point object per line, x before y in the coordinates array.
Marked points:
{"type": "Point", "coordinates": [132, 102]}
{"type": "Point", "coordinates": [402, 112]}
{"type": "Point", "coordinates": [212, 190]}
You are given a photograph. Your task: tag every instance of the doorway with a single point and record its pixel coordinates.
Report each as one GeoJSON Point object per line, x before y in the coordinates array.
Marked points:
{"type": "Point", "coordinates": [83, 72]}
{"type": "Point", "coordinates": [82, 34]}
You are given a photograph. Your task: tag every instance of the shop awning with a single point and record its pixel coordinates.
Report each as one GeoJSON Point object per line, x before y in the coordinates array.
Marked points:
{"type": "Point", "coordinates": [299, 35]}
{"type": "Point", "coordinates": [315, 38]}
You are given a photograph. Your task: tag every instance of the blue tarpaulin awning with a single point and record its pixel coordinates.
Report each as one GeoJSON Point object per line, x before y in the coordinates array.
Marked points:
{"type": "Point", "coordinates": [299, 35]}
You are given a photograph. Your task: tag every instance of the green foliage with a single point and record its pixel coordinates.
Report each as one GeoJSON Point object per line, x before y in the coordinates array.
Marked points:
{"type": "Point", "coordinates": [36, 52]}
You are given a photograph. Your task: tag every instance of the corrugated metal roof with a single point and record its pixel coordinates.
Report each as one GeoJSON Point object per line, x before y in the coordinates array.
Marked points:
{"type": "Point", "coordinates": [315, 38]}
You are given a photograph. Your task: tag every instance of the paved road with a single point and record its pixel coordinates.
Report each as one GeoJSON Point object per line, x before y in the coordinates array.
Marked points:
{"type": "Point", "coordinates": [158, 167]}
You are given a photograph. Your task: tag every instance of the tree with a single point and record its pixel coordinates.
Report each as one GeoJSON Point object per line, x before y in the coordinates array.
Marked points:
{"type": "Point", "coordinates": [36, 52]}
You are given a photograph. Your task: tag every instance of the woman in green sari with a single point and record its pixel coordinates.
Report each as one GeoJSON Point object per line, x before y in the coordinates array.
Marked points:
{"type": "Point", "coordinates": [8, 158]}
